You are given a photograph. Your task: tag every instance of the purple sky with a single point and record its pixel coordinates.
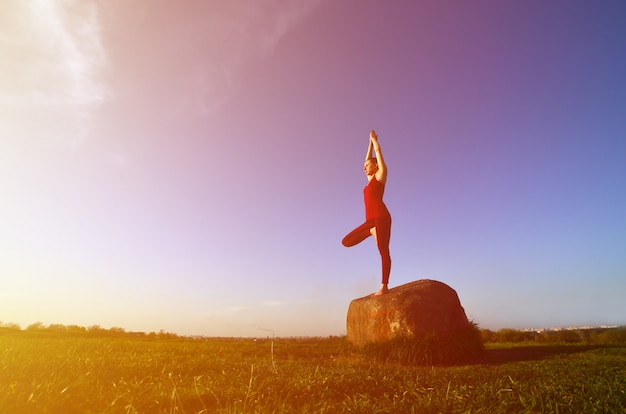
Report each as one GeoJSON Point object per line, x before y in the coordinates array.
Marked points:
{"type": "Point", "coordinates": [194, 168]}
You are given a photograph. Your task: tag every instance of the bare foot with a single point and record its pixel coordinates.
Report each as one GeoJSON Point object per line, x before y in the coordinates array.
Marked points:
{"type": "Point", "coordinates": [382, 291]}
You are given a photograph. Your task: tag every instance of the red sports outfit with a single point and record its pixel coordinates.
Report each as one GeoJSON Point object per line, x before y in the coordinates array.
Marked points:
{"type": "Point", "coordinates": [376, 215]}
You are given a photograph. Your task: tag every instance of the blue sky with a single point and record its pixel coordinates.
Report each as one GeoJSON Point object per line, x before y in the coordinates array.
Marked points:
{"type": "Point", "coordinates": [194, 169]}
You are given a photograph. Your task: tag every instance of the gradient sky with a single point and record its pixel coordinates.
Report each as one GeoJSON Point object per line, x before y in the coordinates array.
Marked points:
{"type": "Point", "coordinates": [194, 167]}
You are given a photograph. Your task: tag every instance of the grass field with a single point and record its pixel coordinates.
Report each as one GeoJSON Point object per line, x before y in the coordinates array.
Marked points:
{"type": "Point", "coordinates": [55, 373]}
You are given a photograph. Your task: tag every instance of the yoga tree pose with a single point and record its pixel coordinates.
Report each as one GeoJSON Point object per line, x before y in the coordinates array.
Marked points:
{"type": "Point", "coordinates": [377, 217]}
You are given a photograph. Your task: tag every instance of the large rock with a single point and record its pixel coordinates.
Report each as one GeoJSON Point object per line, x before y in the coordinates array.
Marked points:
{"type": "Point", "coordinates": [413, 310]}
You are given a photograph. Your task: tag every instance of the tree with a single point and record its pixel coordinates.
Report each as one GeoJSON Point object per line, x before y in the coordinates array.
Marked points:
{"type": "Point", "coordinates": [35, 326]}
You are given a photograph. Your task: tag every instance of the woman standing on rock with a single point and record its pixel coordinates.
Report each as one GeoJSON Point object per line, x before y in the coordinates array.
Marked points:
{"type": "Point", "coordinates": [377, 217]}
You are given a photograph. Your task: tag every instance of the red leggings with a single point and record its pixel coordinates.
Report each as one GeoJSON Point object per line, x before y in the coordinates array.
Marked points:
{"type": "Point", "coordinates": [383, 235]}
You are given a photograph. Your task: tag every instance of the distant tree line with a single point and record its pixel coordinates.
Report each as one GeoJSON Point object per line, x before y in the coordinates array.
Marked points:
{"type": "Point", "coordinates": [590, 336]}
{"type": "Point", "coordinates": [75, 330]}
{"type": "Point", "coordinates": [587, 336]}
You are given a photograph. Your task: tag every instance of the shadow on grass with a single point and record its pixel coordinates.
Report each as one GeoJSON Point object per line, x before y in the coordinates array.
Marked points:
{"type": "Point", "coordinates": [501, 356]}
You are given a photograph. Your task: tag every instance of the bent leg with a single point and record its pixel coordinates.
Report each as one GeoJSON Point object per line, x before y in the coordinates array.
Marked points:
{"type": "Point", "coordinates": [359, 234]}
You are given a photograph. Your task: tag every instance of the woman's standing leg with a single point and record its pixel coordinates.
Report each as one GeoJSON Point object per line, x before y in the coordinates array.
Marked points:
{"type": "Point", "coordinates": [383, 237]}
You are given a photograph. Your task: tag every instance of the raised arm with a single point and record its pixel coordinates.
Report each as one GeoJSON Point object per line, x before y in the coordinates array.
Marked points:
{"type": "Point", "coordinates": [381, 174]}
{"type": "Point", "coordinates": [370, 149]}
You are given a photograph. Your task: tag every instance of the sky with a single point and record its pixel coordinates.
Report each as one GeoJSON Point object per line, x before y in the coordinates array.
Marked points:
{"type": "Point", "coordinates": [193, 168]}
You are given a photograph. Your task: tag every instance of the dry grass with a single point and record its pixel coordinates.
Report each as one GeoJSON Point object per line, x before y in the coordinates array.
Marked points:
{"type": "Point", "coordinates": [52, 373]}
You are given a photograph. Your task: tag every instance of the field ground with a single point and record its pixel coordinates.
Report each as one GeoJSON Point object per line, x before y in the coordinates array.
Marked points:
{"type": "Point", "coordinates": [54, 373]}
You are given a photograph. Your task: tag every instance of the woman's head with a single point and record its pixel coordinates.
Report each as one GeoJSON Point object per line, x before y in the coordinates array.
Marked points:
{"type": "Point", "coordinates": [371, 166]}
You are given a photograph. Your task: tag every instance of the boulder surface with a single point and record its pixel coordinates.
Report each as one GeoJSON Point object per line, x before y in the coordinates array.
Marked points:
{"type": "Point", "coordinates": [412, 310]}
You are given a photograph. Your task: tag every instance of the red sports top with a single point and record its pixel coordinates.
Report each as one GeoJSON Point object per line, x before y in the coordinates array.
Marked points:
{"type": "Point", "coordinates": [373, 196]}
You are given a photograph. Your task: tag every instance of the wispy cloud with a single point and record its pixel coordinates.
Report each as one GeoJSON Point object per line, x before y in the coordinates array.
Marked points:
{"type": "Point", "coordinates": [191, 59]}
{"type": "Point", "coordinates": [168, 60]}
{"type": "Point", "coordinates": [52, 55]}
{"type": "Point", "coordinates": [272, 303]}
{"type": "Point", "coordinates": [236, 308]}
{"type": "Point", "coordinates": [237, 35]}
{"type": "Point", "coordinates": [117, 159]}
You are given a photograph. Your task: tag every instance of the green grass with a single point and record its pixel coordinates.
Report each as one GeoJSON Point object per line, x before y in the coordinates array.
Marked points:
{"type": "Point", "coordinates": [54, 373]}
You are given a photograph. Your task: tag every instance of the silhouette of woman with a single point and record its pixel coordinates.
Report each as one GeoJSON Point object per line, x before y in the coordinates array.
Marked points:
{"type": "Point", "coordinates": [377, 217]}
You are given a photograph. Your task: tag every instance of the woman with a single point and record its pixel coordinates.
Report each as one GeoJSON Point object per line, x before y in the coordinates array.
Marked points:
{"type": "Point", "coordinates": [377, 217]}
